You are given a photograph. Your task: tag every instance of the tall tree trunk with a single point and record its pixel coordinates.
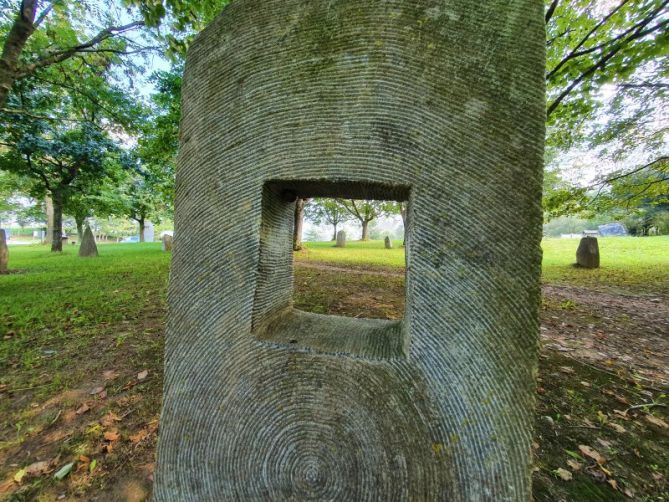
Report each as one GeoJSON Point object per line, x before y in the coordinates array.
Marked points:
{"type": "Point", "coordinates": [141, 228]}
{"type": "Point", "coordinates": [11, 52]}
{"type": "Point", "coordinates": [49, 220]}
{"type": "Point", "coordinates": [365, 230]}
{"type": "Point", "coordinates": [57, 236]}
{"type": "Point", "coordinates": [334, 234]}
{"type": "Point", "coordinates": [80, 227]}
{"type": "Point", "coordinates": [403, 213]}
{"type": "Point", "coordinates": [299, 224]}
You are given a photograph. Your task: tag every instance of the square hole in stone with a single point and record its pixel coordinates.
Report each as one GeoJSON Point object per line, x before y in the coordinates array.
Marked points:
{"type": "Point", "coordinates": [370, 332]}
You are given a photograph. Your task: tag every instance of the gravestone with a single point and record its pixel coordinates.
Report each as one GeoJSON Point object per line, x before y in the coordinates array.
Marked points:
{"type": "Point", "coordinates": [167, 243]}
{"type": "Point", "coordinates": [88, 248]}
{"type": "Point", "coordinates": [149, 232]}
{"type": "Point", "coordinates": [341, 239]}
{"type": "Point", "coordinates": [587, 254]}
{"type": "Point", "coordinates": [387, 100]}
{"type": "Point", "coordinates": [388, 243]}
{"type": "Point", "coordinates": [4, 253]}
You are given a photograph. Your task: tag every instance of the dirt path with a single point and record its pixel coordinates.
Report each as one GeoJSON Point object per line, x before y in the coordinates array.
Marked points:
{"type": "Point", "coordinates": [612, 330]}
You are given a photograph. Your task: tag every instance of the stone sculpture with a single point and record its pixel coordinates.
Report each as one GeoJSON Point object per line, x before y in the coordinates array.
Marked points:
{"type": "Point", "coordinates": [587, 254]}
{"type": "Point", "coordinates": [387, 243]}
{"type": "Point", "coordinates": [341, 239]}
{"type": "Point", "coordinates": [88, 248]}
{"type": "Point", "coordinates": [438, 104]}
{"type": "Point", "coordinates": [167, 241]}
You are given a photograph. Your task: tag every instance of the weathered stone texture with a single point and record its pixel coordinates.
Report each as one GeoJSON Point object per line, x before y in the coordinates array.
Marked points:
{"type": "Point", "coordinates": [438, 103]}
{"type": "Point", "coordinates": [587, 254]}
{"type": "Point", "coordinates": [341, 239]}
{"type": "Point", "coordinates": [387, 243]}
{"type": "Point", "coordinates": [88, 248]}
{"type": "Point", "coordinates": [4, 253]}
{"type": "Point", "coordinates": [167, 242]}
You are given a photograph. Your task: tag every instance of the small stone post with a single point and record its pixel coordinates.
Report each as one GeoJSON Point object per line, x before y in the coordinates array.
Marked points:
{"type": "Point", "coordinates": [88, 246]}
{"type": "Point", "coordinates": [388, 243]}
{"type": "Point", "coordinates": [587, 254]}
{"type": "Point", "coordinates": [4, 253]}
{"type": "Point", "coordinates": [167, 243]}
{"type": "Point", "coordinates": [341, 239]}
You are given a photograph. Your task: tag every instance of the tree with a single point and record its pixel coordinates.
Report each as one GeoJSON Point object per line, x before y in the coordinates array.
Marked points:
{"type": "Point", "coordinates": [365, 211]}
{"type": "Point", "coordinates": [61, 162]}
{"type": "Point", "coordinates": [142, 201]}
{"type": "Point", "coordinates": [298, 223]}
{"type": "Point", "coordinates": [42, 34]}
{"type": "Point", "coordinates": [327, 211]}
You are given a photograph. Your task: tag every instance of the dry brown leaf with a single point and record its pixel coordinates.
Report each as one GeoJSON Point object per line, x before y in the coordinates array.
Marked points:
{"type": "Point", "coordinates": [567, 369]}
{"type": "Point", "coordinates": [96, 390]}
{"type": "Point", "coordinates": [592, 453]}
{"type": "Point", "coordinates": [111, 435]}
{"type": "Point", "coordinates": [564, 474]}
{"type": "Point", "coordinates": [136, 438]}
{"type": "Point", "coordinates": [110, 374]}
{"type": "Point", "coordinates": [38, 468]}
{"type": "Point", "coordinates": [84, 458]}
{"type": "Point", "coordinates": [109, 419]}
{"type": "Point", "coordinates": [142, 374]}
{"type": "Point", "coordinates": [657, 422]}
{"type": "Point", "coordinates": [613, 483]}
{"type": "Point", "coordinates": [604, 442]}
{"type": "Point", "coordinates": [103, 394]}
{"type": "Point", "coordinates": [628, 493]}
{"type": "Point", "coordinates": [82, 409]}
{"type": "Point", "coordinates": [575, 466]}
{"type": "Point", "coordinates": [617, 428]}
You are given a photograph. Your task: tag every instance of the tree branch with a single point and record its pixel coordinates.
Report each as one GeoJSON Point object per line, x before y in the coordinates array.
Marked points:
{"type": "Point", "coordinates": [551, 10]}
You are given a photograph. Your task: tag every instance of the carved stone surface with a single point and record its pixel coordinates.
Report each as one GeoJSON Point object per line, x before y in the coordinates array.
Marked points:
{"type": "Point", "coordinates": [387, 243]}
{"type": "Point", "coordinates": [88, 247]}
{"type": "Point", "coordinates": [341, 239]}
{"type": "Point", "coordinates": [587, 254]}
{"type": "Point", "coordinates": [4, 253]}
{"type": "Point", "coordinates": [440, 104]}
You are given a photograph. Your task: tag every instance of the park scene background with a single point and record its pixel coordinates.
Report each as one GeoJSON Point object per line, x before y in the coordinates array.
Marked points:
{"type": "Point", "coordinates": [90, 107]}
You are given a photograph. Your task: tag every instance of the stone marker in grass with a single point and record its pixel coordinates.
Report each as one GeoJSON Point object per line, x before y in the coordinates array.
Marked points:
{"type": "Point", "coordinates": [587, 254]}
{"type": "Point", "coordinates": [167, 243]}
{"type": "Point", "coordinates": [386, 100]}
{"type": "Point", "coordinates": [341, 239]}
{"type": "Point", "coordinates": [88, 247]}
{"type": "Point", "coordinates": [4, 253]}
{"type": "Point", "coordinates": [388, 243]}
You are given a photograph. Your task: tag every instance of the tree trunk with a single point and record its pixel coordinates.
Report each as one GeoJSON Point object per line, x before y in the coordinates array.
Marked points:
{"type": "Point", "coordinates": [299, 223]}
{"type": "Point", "coordinates": [403, 213]}
{"type": "Point", "coordinates": [49, 220]}
{"type": "Point", "coordinates": [334, 234]}
{"type": "Point", "coordinates": [80, 228]}
{"type": "Point", "coordinates": [11, 52]}
{"type": "Point", "coordinates": [365, 230]}
{"type": "Point", "coordinates": [57, 235]}
{"type": "Point", "coordinates": [141, 229]}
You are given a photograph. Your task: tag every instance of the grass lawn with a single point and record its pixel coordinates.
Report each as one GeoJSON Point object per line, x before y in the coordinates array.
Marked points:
{"type": "Point", "coordinates": [631, 263]}
{"type": "Point", "coordinates": [81, 347]}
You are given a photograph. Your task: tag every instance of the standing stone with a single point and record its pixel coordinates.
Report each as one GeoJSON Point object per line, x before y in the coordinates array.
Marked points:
{"type": "Point", "coordinates": [88, 246]}
{"type": "Point", "coordinates": [385, 100]}
{"type": "Point", "coordinates": [341, 239]}
{"type": "Point", "coordinates": [587, 254]}
{"type": "Point", "coordinates": [388, 243]}
{"type": "Point", "coordinates": [149, 232]}
{"type": "Point", "coordinates": [167, 243]}
{"type": "Point", "coordinates": [4, 253]}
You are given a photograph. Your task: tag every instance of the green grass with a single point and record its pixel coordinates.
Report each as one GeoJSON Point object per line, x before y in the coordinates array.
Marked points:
{"type": "Point", "coordinates": [632, 263]}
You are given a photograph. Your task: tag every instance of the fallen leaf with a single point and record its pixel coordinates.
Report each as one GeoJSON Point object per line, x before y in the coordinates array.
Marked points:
{"type": "Point", "coordinates": [37, 468]}
{"type": "Point", "coordinates": [604, 442]}
{"type": "Point", "coordinates": [628, 493]}
{"type": "Point", "coordinates": [109, 375]}
{"type": "Point", "coordinates": [97, 390]}
{"type": "Point", "coordinates": [64, 471]}
{"type": "Point", "coordinates": [613, 483]}
{"type": "Point", "coordinates": [592, 453]}
{"type": "Point", "coordinates": [657, 476]}
{"type": "Point", "coordinates": [657, 422]}
{"type": "Point", "coordinates": [563, 474]}
{"type": "Point", "coordinates": [617, 428]}
{"type": "Point", "coordinates": [82, 409]}
{"type": "Point", "coordinates": [103, 394]}
{"type": "Point", "coordinates": [142, 374]}
{"type": "Point", "coordinates": [567, 369]}
{"type": "Point", "coordinates": [111, 435]}
{"type": "Point", "coordinates": [92, 465]}
{"type": "Point", "coordinates": [84, 458]}
{"type": "Point", "coordinates": [109, 419]}
{"type": "Point", "coordinates": [575, 466]}
{"type": "Point", "coordinates": [18, 477]}
{"type": "Point", "coordinates": [136, 438]}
